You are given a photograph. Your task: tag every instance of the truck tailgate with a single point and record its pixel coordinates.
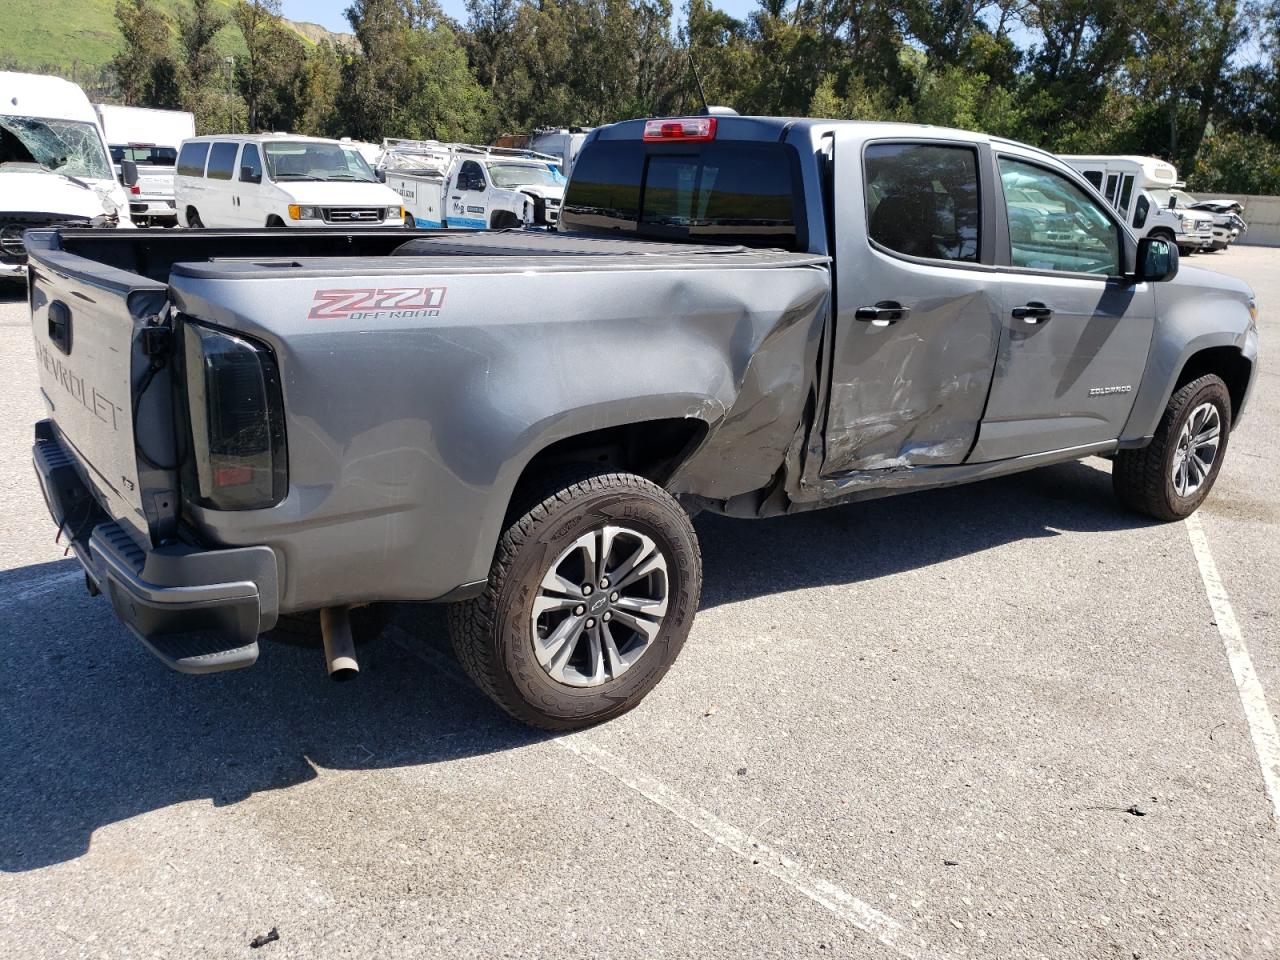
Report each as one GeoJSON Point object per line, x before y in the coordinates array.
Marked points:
{"type": "Point", "coordinates": [86, 319]}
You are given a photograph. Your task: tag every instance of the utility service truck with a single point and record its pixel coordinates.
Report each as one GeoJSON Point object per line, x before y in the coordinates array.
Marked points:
{"type": "Point", "coordinates": [463, 185]}
{"type": "Point", "coordinates": [750, 316]}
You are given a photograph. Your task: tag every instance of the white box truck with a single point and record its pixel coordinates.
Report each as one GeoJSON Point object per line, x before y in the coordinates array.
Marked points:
{"type": "Point", "coordinates": [1141, 189]}
{"type": "Point", "coordinates": [149, 138]}
{"type": "Point", "coordinates": [54, 165]}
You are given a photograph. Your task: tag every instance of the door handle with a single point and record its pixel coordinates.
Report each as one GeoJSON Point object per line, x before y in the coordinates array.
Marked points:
{"type": "Point", "coordinates": [1033, 312]}
{"type": "Point", "coordinates": [882, 314]}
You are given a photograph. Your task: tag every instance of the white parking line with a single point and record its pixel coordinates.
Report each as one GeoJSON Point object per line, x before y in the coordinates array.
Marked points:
{"type": "Point", "coordinates": [37, 587]}
{"type": "Point", "coordinates": [844, 905]}
{"type": "Point", "coordinates": [1262, 725]}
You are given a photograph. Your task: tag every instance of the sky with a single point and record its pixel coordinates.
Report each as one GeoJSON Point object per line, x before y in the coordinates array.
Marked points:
{"type": "Point", "coordinates": [328, 13]}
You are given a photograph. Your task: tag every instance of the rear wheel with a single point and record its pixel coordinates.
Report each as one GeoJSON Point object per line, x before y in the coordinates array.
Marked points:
{"type": "Point", "coordinates": [589, 601]}
{"type": "Point", "coordinates": [1171, 476]}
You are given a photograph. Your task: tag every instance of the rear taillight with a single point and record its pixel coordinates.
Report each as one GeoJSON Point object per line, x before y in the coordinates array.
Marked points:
{"type": "Point", "coordinates": [687, 129]}
{"type": "Point", "coordinates": [135, 190]}
{"type": "Point", "coordinates": [235, 412]}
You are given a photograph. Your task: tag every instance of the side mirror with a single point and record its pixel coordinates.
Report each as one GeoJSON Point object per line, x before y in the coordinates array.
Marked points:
{"type": "Point", "coordinates": [1157, 260]}
{"type": "Point", "coordinates": [1173, 203]}
{"type": "Point", "coordinates": [248, 175]}
{"type": "Point", "coordinates": [381, 174]}
{"type": "Point", "coordinates": [129, 172]}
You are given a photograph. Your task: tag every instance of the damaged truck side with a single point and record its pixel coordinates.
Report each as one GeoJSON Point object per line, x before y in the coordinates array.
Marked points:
{"type": "Point", "coordinates": [257, 430]}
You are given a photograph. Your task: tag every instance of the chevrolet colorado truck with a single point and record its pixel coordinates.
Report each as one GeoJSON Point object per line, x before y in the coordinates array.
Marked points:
{"type": "Point", "coordinates": [753, 316]}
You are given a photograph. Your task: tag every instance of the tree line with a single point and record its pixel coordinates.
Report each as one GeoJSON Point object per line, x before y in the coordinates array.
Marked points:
{"type": "Point", "coordinates": [1194, 81]}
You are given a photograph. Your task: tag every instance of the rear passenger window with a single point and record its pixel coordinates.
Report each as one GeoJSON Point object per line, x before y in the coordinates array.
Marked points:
{"type": "Point", "coordinates": [191, 159]}
{"type": "Point", "coordinates": [1094, 177]}
{"type": "Point", "coordinates": [922, 199]}
{"type": "Point", "coordinates": [222, 160]}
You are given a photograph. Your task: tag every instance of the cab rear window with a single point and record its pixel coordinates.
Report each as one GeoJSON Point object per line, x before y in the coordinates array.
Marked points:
{"type": "Point", "coordinates": [747, 193]}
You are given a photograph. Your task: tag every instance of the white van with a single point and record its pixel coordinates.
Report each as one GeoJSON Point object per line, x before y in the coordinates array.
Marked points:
{"type": "Point", "coordinates": [1141, 191]}
{"type": "Point", "coordinates": [279, 180]}
{"type": "Point", "coordinates": [54, 165]}
{"type": "Point", "coordinates": [464, 185]}
{"type": "Point", "coordinates": [149, 139]}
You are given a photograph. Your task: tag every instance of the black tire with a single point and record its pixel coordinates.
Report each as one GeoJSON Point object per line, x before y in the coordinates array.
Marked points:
{"type": "Point", "coordinates": [409, 222]}
{"type": "Point", "coordinates": [193, 219]}
{"type": "Point", "coordinates": [503, 220]}
{"type": "Point", "coordinates": [303, 629]}
{"type": "Point", "coordinates": [274, 222]}
{"type": "Point", "coordinates": [1143, 479]}
{"type": "Point", "coordinates": [493, 635]}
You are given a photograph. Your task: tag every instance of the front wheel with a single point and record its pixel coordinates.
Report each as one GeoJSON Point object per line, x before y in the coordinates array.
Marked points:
{"type": "Point", "coordinates": [590, 597]}
{"type": "Point", "coordinates": [1171, 476]}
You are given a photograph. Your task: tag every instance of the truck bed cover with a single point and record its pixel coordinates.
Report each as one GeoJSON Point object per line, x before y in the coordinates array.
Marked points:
{"type": "Point", "coordinates": [503, 252]}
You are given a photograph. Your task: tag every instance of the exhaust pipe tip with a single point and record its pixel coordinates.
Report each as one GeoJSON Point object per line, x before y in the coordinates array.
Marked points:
{"type": "Point", "coordinates": [339, 647]}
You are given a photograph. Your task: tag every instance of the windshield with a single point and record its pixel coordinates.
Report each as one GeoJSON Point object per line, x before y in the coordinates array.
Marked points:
{"type": "Point", "coordinates": [69, 147]}
{"type": "Point", "coordinates": [522, 175]}
{"type": "Point", "coordinates": [295, 160]}
{"type": "Point", "coordinates": [1181, 198]}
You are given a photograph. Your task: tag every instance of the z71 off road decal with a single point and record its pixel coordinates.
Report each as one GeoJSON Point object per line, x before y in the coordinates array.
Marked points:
{"type": "Point", "coordinates": [405, 303]}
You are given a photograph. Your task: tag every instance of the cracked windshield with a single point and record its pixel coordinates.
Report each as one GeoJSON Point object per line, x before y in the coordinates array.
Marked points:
{"type": "Point", "coordinates": [68, 147]}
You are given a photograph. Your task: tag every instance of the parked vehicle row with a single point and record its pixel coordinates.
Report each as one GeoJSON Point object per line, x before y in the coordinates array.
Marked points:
{"type": "Point", "coordinates": [750, 316]}
{"type": "Point", "coordinates": [1149, 195]}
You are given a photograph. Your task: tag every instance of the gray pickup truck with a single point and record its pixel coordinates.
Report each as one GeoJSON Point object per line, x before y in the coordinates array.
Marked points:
{"type": "Point", "coordinates": [252, 431]}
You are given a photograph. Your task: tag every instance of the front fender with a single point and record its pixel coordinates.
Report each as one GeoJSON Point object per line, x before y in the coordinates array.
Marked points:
{"type": "Point", "coordinates": [1195, 312]}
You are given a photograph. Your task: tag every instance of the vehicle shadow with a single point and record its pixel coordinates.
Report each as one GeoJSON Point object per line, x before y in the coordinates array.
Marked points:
{"type": "Point", "coordinates": [98, 731]}
{"type": "Point", "coordinates": [870, 539]}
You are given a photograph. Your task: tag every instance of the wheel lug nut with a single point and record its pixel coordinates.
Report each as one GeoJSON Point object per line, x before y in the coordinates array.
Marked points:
{"type": "Point", "coordinates": [586, 589]}
{"type": "Point", "coordinates": [604, 583]}
{"type": "Point", "coordinates": [607, 616]}
{"type": "Point", "coordinates": [591, 622]}
{"type": "Point", "coordinates": [613, 597]}
{"type": "Point", "coordinates": [579, 610]}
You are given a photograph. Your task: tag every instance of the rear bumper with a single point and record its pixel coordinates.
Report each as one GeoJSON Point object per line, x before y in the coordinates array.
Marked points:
{"type": "Point", "coordinates": [153, 207]}
{"type": "Point", "coordinates": [200, 611]}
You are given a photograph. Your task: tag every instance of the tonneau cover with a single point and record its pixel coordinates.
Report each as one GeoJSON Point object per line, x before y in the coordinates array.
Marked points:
{"type": "Point", "coordinates": [504, 252]}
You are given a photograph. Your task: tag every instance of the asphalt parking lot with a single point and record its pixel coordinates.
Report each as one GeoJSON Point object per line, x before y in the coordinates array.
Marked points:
{"type": "Point", "coordinates": [992, 721]}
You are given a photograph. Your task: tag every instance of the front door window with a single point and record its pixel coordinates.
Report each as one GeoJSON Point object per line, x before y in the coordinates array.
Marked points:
{"type": "Point", "coordinates": [1054, 225]}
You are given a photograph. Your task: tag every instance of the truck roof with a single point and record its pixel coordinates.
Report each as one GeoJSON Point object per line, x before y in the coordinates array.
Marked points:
{"type": "Point", "coordinates": [38, 95]}
{"type": "Point", "coordinates": [772, 128]}
{"type": "Point", "coordinates": [269, 138]}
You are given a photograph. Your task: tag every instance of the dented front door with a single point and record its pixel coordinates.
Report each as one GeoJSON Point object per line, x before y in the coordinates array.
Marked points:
{"type": "Point", "coordinates": [917, 323]}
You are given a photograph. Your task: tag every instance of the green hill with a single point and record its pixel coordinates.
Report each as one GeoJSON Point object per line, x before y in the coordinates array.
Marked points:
{"type": "Point", "coordinates": [81, 35]}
